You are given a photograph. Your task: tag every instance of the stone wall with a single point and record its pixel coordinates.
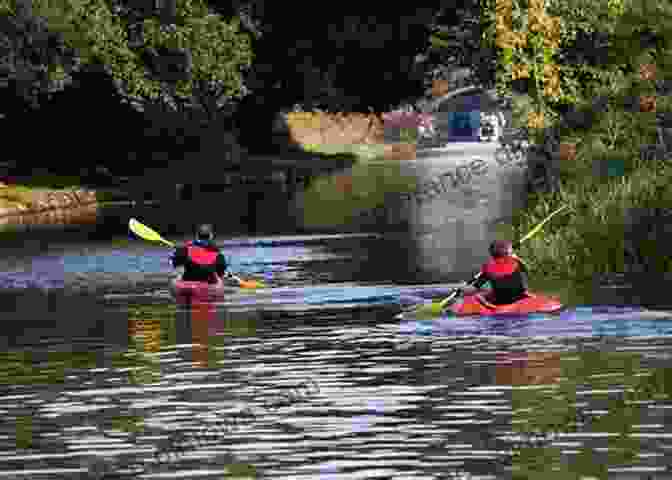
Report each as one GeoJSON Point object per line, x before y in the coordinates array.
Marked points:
{"type": "Point", "coordinates": [44, 200]}
{"type": "Point", "coordinates": [51, 207]}
{"type": "Point", "coordinates": [329, 128]}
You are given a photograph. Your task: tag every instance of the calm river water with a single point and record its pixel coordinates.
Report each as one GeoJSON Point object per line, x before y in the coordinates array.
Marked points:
{"type": "Point", "coordinates": [104, 376]}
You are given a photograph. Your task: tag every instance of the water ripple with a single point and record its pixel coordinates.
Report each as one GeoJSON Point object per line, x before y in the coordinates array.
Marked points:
{"type": "Point", "coordinates": [332, 392]}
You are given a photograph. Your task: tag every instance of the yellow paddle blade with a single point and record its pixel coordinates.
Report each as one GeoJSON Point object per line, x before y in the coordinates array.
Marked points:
{"type": "Point", "coordinates": [247, 283]}
{"type": "Point", "coordinates": [543, 222]}
{"type": "Point", "coordinates": [426, 311]}
{"type": "Point", "coordinates": [439, 305]}
{"type": "Point", "coordinates": [146, 233]}
{"type": "Point", "coordinates": [250, 284]}
{"type": "Point", "coordinates": [435, 308]}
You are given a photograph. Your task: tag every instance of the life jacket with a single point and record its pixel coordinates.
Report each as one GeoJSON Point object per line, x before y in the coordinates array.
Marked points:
{"type": "Point", "coordinates": [506, 277]}
{"type": "Point", "coordinates": [201, 262]}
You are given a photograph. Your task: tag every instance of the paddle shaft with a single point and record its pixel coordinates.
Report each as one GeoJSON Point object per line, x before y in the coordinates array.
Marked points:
{"type": "Point", "coordinates": [457, 291]}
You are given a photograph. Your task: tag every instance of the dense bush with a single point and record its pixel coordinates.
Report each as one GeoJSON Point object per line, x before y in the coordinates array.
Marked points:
{"type": "Point", "coordinates": [613, 66]}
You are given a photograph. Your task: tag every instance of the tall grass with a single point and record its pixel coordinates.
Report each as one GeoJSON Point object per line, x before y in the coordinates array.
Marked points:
{"type": "Point", "coordinates": [613, 225]}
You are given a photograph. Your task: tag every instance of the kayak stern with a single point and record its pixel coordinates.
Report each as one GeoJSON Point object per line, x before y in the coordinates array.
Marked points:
{"type": "Point", "coordinates": [184, 290]}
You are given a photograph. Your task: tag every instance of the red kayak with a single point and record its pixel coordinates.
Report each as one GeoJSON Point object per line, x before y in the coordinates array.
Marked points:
{"type": "Point", "coordinates": [479, 304]}
{"type": "Point", "coordinates": [183, 291]}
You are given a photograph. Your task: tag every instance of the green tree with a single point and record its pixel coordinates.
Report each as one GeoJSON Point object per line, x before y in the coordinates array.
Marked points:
{"type": "Point", "coordinates": [543, 412]}
{"type": "Point", "coordinates": [597, 54]}
{"type": "Point", "coordinates": [455, 41]}
{"type": "Point", "coordinates": [342, 60]}
{"type": "Point", "coordinates": [168, 56]}
{"type": "Point", "coordinates": [34, 61]}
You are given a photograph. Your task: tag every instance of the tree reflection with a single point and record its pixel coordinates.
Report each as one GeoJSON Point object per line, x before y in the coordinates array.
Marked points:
{"type": "Point", "coordinates": [565, 385]}
{"type": "Point", "coordinates": [144, 331]}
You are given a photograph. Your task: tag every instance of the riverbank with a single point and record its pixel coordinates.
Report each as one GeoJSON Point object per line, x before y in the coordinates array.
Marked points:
{"type": "Point", "coordinates": [617, 223]}
{"type": "Point", "coordinates": [23, 200]}
{"type": "Point", "coordinates": [56, 200]}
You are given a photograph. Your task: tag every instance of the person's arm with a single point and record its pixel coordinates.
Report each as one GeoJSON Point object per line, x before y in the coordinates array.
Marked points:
{"type": "Point", "coordinates": [475, 284]}
{"type": "Point", "coordinates": [221, 266]}
{"type": "Point", "coordinates": [521, 262]}
{"type": "Point", "coordinates": [480, 281]}
{"type": "Point", "coordinates": [179, 258]}
{"type": "Point", "coordinates": [523, 266]}
{"type": "Point", "coordinates": [523, 273]}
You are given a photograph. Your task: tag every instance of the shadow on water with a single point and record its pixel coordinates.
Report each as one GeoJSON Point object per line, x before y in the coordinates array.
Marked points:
{"type": "Point", "coordinates": [33, 316]}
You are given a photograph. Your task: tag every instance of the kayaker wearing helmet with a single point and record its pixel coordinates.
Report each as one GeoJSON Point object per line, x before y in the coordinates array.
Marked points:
{"type": "Point", "coordinates": [201, 259]}
{"type": "Point", "coordinates": [505, 272]}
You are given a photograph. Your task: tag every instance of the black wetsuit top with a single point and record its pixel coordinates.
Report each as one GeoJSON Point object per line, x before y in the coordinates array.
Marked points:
{"type": "Point", "coordinates": [201, 261]}
{"type": "Point", "coordinates": [508, 278]}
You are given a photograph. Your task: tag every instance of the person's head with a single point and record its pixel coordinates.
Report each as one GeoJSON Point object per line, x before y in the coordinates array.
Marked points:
{"type": "Point", "coordinates": [501, 248]}
{"type": "Point", "coordinates": [205, 232]}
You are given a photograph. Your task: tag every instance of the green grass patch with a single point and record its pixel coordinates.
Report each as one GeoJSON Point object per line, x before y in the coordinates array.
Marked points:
{"type": "Point", "coordinates": [337, 200]}
{"type": "Point", "coordinates": [111, 195]}
{"type": "Point", "coordinates": [23, 191]}
{"type": "Point", "coordinates": [360, 151]}
{"type": "Point", "coordinates": [47, 180]}
{"type": "Point", "coordinates": [14, 195]}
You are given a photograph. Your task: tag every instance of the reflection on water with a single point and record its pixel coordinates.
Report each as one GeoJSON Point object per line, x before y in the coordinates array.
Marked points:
{"type": "Point", "coordinates": [314, 381]}
{"type": "Point", "coordinates": [333, 394]}
{"type": "Point", "coordinates": [443, 205]}
{"type": "Point", "coordinates": [583, 321]}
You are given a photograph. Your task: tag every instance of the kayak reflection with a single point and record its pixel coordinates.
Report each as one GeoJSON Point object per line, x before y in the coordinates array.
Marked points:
{"type": "Point", "coordinates": [205, 326]}
{"type": "Point", "coordinates": [528, 368]}
{"type": "Point", "coordinates": [583, 321]}
{"type": "Point", "coordinates": [197, 326]}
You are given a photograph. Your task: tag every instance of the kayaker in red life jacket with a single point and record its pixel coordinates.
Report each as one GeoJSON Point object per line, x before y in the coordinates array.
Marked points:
{"type": "Point", "coordinates": [505, 272]}
{"type": "Point", "coordinates": [201, 259]}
